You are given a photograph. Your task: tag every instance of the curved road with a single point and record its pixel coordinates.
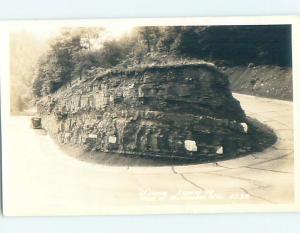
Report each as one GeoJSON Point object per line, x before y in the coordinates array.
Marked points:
{"type": "Point", "coordinates": [40, 179]}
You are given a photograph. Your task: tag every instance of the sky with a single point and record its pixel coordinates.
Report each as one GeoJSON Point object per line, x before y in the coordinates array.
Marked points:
{"type": "Point", "coordinates": [47, 31]}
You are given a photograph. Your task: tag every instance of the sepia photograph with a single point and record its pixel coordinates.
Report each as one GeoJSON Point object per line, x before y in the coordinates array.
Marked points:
{"type": "Point", "coordinates": [148, 117]}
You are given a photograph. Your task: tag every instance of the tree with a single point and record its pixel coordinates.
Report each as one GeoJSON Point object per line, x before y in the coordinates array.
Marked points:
{"type": "Point", "coordinates": [65, 59]}
{"type": "Point", "coordinates": [149, 37]}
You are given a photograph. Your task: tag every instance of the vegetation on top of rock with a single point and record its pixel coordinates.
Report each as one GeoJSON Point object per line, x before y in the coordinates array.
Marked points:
{"type": "Point", "coordinates": [75, 52]}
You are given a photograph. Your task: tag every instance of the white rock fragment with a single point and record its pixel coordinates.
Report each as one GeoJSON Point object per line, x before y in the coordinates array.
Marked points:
{"type": "Point", "coordinates": [93, 136]}
{"type": "Point", "coordinates": [245, 127]}
{"type": "Point", "coordinates": [111, 98]}
{"type": "Point", "coordinates": [112, 139]}
{"type": "Point", "coordinates": [190, 145]}
{"type": "Point", "coordinates": [220, 150]}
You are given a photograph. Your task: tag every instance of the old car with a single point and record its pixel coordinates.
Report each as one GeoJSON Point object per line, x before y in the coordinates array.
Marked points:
{"type": "Point", "coordinates": [36, 122]}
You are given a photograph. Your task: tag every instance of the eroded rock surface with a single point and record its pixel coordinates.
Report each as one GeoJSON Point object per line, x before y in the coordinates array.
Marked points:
{"type": "Point", "coordinates": [183, 111]}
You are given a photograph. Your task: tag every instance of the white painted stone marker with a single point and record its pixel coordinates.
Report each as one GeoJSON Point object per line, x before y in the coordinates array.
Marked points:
{"type": "Point", "coordinates": [93, 136]}
{"type": "Point", "coordinates": [220, 150]}
{"type": "Point", "coordinates": [190, 145]}
{"type": "Point", "coordinates": [245, 127]}
{"type": "Point", "coordinates": [112, 139]}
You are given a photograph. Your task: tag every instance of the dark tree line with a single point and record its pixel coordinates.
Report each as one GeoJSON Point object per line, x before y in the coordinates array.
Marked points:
{"type": "Point", "coordinates": [236, 45]}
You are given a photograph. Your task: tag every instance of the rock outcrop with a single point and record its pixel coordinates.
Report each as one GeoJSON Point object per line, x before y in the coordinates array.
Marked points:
{"type": "Point", "coordinates": [173, 111]}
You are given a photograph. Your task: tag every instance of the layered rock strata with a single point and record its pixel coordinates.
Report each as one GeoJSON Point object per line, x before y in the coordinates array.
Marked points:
{"type": "Point", "coordinates": [174, 111]}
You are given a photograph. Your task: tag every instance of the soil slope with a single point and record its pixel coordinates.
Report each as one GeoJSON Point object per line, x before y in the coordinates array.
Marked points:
{"type": "Point", "coordinates": [263, 80]}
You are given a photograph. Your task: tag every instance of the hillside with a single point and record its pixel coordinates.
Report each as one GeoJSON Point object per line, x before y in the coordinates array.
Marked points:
{"type": "Point", "coordinates": [264, 80]}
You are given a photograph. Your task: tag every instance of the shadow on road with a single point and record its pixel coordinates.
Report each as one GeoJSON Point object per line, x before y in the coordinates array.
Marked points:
{"type": "Point", "coordinates": [40, 131]}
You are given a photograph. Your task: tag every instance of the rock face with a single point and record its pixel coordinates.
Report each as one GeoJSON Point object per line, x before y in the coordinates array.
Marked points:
{"type": "Point", "coordinates": [182, 111]}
